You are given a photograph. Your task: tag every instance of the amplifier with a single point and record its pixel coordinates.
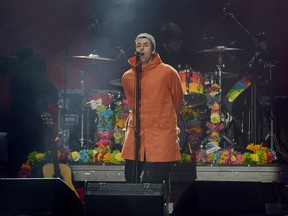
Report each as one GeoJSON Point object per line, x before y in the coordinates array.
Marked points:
{"type": "Point", "coordinates": [76, 118]}
{"type": "Point", "coordinates": [127, 199]}
{"type": "Point", "coordinates": [38, 196]}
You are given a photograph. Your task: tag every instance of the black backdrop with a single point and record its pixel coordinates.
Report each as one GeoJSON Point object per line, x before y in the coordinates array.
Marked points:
{"type": "Point", "coordinates": [103, 27]}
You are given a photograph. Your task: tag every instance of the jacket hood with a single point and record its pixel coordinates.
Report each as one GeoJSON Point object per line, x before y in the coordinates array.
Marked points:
{"type": "Point", "coordinates": [156, 60]}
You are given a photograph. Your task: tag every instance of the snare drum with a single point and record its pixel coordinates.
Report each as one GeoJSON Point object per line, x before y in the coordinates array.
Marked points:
{"type": "Point", "coordinates": [193, 87]}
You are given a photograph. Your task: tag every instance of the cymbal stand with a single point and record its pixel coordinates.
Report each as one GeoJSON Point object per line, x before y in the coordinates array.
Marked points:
{"type": "Point", "coordinates": [187, 79]}
{"type": "Point", "coordinates": [271, 134]}
{"type": "Point", "coordinates": [220, 67]}
{"type": "Point", "coordinates": [93, 23]}
{"type": "Point", "coordinates": [82, 109]}
{"type": "Point", "coordinates": [253, 123]}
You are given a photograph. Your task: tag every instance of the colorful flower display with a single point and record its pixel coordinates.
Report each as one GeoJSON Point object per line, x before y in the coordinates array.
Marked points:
{"type": "Point", "coordinates": [256, 154]}
{"type": "Point", "coordinates": [102, 154]}
{"type": "Point", "coordinates": [214, 126]}
{"type": "Point", "coordinates": [111, 130]}
{"type": "Point", "coordinates": [193, 124]}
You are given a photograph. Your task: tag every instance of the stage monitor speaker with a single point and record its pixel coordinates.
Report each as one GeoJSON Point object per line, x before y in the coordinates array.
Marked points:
{"type": "Point", "coordinates": [221, 198]}
{"type": "Point", "coordinates": [129, 199]}
{"type": "Point", "coordinates": [38, 196]}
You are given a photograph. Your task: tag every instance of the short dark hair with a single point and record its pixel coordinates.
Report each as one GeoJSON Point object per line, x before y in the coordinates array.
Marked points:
{"type": "Point", "coordinates": [170, 31]}
{"type": "Point", "coordinates": [149, 37]}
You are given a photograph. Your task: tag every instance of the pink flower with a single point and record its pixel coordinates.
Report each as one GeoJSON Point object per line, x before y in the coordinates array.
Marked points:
{"type": "Point", "coordinates": [105, 135]}
{"type": "Point", "coordinates": [106, 98]}
{"type": "Point", "coordinates": [238, 158]}
{"type": "Point", "coordinates": [103, 142]}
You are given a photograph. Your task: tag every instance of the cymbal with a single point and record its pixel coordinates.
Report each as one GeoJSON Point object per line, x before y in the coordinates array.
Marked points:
{"type": "Point", "coordinates": [219, 49]}
{"type": "Point", "coordinates": [116, 82]}
{"type": "Point", "coordinates": [94, 57]}
{"type": "Point", "coordinates": [223, 74]}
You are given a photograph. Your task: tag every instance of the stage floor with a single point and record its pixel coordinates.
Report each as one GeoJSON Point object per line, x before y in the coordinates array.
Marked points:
{"type": "Point", "coordinates": [271, 179]}
{"type": "Point", "coordinates": [186, 173]}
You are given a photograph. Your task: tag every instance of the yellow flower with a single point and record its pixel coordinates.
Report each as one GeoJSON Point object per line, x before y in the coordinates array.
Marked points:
{"type": "Point", "coordinates": [75, 155]}
{"type": "Point", "coordinates": [216, 85]}
{"type": "Point", "coordinates": [106, 157]}
{"type": "Point", "coordinates": [215, 118]}
{"type": "Point", "coordinates": [120, 123]}
{"type": "Point", "coordinates": [188, 158]}
{"type": "Point", "coordinates": [223, 157]}
{"type": "Point", "coordinates": [40, 156]}
{"type": "Point", "coordinates": [215, 106]}
{"type": "Point", "coordinates": [118, 157]}
{"type": "Point", "coordinates": [215, 142]}
{"type": "Point", "coordinates": [265, 156]}
{"type": "Point", "coordinates": [102, 148]}
{"type": "Point", "coordinates": [233, 158]}
{"type": "Point", "coordinates": [118, 136]}
{"type": "Point", "coordinates": [195, 114]}
{"type": "Point", "coordinates": [214, 134]}
{"type": "Point", "coordinates": [255, 147]}
{"type": "Point", "coordinates": [254, 157]}
{"type": "Point", "coordinates": [27, 165]}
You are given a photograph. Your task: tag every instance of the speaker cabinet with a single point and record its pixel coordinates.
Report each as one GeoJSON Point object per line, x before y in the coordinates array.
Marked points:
{"type": "Point", "coordinates": [38, 196]}
{"type": "Point", "coordinates": [221, 198]}
{"type": "Point", "coordinates": [70, 119]}
{"type": "Point", "coordinates": [124, 199]}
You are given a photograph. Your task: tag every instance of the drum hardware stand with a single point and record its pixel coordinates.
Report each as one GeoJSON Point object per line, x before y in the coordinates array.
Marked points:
{"type": "Point", "coordinates": [187, 79]}
{"type": "Point", "coordinates": [271, 134]}
{"type": "Point", "coordinates": [252, 133]}
{"type": "Point", "coordinates": [92, 24]}
{"type": "Point", "coordinates": [220, 67]}
{"type": "Point", "coordinates": [224, 105]}
{"type": "Point", "coordinates": [82, 139]}
{"type": "Point", "coordinates": [82, 109]}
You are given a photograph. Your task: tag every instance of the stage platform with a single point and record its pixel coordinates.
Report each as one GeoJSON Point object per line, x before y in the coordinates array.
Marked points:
{"type": "Point", "coordinates": [187, 173]}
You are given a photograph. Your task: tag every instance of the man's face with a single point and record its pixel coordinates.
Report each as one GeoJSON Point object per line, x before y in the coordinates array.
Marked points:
{"type": "Point", "coordinates": [144, 46]}
{"type": "Point", "coordinates": [174, 45]}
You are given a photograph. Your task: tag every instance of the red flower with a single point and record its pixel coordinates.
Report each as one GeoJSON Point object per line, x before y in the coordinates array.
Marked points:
{"type": "Point", "coordinates": [106, 98]}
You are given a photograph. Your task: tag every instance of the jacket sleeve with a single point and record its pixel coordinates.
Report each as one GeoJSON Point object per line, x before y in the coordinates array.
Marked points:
{"type": "Point", "coordinates": [176, 90]}
{"type": "Point", "coordinates": [128, 86]}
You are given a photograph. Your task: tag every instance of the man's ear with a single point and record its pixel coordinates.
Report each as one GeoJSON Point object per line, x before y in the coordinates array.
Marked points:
{"type": "Point", "coordinates": [153, 52]}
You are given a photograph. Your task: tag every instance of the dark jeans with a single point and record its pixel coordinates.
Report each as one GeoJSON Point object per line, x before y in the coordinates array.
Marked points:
{"type": "Point", "coordinates": [153, 172]}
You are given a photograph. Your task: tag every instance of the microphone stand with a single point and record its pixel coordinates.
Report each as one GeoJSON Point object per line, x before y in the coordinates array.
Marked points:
{"type": "Point", "coordinates": [256, 42]}
{"type": "Point", "coordinates": [254, 90]}
{"type": "Point", "coordinates": [137, 113]}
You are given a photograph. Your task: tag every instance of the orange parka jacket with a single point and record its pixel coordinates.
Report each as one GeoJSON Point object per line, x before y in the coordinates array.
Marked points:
{"type": "Point", "coordinates": [161, 96]}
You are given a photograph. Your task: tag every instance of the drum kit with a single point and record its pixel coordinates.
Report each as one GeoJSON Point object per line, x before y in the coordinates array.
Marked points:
{"type": "Point", "coordinates": [193, 83]}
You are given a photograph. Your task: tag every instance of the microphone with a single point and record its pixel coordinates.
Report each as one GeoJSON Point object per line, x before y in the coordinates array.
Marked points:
{"type": "Point", "coordinates": [122, 53]}
{"type": "Point", "coordinates": [137, 53]}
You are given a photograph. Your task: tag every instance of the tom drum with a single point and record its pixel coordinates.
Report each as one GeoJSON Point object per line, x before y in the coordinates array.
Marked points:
{"type": "Point", "coordinates": [193, 87]}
